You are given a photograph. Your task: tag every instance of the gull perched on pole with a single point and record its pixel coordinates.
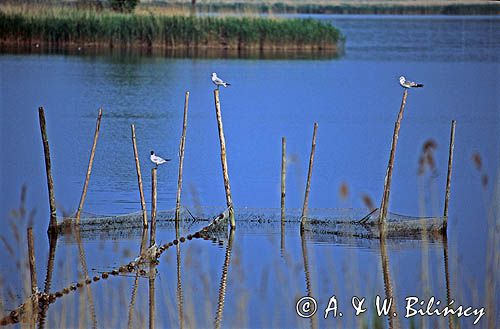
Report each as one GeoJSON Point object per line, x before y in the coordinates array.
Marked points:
{"type": "Point", "coordinates": [409, 84]}
{"type": "Point", "coordinates": [218, 81]}
{"type": "Point", "coordinates": [157, 160]}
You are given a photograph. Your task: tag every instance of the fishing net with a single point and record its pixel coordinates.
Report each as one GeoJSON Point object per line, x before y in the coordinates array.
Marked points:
{"type": "Point", "coordinates": [347, 222]}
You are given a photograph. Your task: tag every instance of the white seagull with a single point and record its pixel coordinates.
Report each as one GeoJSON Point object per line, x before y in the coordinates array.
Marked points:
{"type": "Point", "coordinates": [218, 81]}
{"type": "Point", "coordinates": [157, 160]}
{"type": "Point", "coordinates": [409, 84]}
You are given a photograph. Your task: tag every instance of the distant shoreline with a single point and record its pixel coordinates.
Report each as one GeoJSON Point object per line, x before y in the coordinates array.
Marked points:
{"type": "Point", "coordinates": [418, 8]}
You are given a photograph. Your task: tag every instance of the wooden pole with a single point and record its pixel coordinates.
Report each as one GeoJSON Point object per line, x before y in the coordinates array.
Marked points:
{"type": "Point", "coordinates": [152, 234]}
{"type": "Point", "coordinates": [388, 175]}
{"type": "Point", "coordinates": [31, 259]}
{"type": "Point", "coordinates": [48, 171]}
{"type": "Point", "coordinates": [309, 175]}
{"type": "Point", "coordinates": [223, 159]}
{"type": "Point", "coordinates": [450, 166]}
{"type": "Point", "coordinates": [181, 158]}
{"type": "Point", "coordinates": [283, 177]}
{"type": "Point", "coordinates": [139, 179]}
{"type": "Point", "coordinates": [89, 168]}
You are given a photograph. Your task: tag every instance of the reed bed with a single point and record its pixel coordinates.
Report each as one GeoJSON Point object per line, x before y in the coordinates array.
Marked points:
{"type": "Point", "coordinates": [63, 27]}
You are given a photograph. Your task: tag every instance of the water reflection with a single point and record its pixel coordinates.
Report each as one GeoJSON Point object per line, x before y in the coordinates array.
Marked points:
{"type": "Point", "coordinates": [223, 281]}
{"type": "Point", "coordinates": [389, 293]}
{"type": "Point", "coordinates": [307, 275]}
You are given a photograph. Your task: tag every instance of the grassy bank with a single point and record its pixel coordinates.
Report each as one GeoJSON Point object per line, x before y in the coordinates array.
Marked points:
{"type": "Point", "coordinates": [69, 27]}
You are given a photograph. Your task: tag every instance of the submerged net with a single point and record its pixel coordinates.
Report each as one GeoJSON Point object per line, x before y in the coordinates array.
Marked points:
{"type": "Point", "coordinates": [348, 222]}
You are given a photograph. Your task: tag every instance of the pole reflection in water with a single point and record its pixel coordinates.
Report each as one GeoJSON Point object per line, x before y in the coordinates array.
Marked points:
{"type": "Point", "coordinates": [144, 240]}
{"type": "Point", "coordinates": [83, 261]}
{"type": "Point", "coordinates": [180, 299]}
{"type": "Point", "coordinates": [307, 274]}
{"type": "Point", "coordinates": [447, 278]}
{"type": "Point", "coordinates": [48, 278]}
{"type": "Point", "coordinates": [152, 276]}
{"type": "Point", "coordinates": [223, 281]}
{"type": "Point", "coordinates": [389, 293]}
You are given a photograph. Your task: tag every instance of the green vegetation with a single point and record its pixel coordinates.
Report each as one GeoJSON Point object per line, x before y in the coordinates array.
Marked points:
{"type": "Point", "coordinates": [67, 27]}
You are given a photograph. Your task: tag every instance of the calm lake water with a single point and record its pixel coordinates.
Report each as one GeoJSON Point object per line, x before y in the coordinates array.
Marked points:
{"type": "Point", "coordinates": [354, 99]}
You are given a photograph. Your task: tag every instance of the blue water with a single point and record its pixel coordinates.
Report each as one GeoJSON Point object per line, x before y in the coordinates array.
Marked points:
{"type": "Point", "coordinates": [354, 99]}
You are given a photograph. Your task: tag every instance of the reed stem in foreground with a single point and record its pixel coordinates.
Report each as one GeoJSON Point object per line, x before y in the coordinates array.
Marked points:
{"type": "Point", "coordinates": [48, 171]}
{"type": "Point", "coordinates": [388, 176]}
{"type": "Point", "coordinates": [181, 157]}
{"type": "Point", "coordinates": [223, 159]}
{"type": "Point", "coordinates": [283, 177]}
{"type": "Point", "coordinates": [448, 176]}
{"type": "Point", "coordinates": [139, 179]}
{"type": "Point", "coordinates": [89, 168]}
{"type": "Point", "coordinates": [152, 234]}
{"type": "Point", "coordinates": [309, 175]}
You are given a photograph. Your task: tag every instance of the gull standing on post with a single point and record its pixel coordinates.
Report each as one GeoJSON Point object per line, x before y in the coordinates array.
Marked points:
{"type": "Point", "coordinates": [157, 160]}
{"type": "Point", "coordinates": [409, 84]}
{"type": "Point", "coordinates": [218, 81]}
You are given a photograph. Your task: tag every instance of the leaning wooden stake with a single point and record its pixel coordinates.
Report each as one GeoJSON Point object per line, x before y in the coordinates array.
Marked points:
{"type": "Point", "coordinates": [388, 175]}
{"type": "Point", "coordinates": [450, 166]}
{"type": "Point", "coordinates": [225, 174]}
{"type": "Point", "coordinates": [31, 258]}
{"type": "Point", "coordinates": [139, 179]}
{"type": "Point", "coordinates": [309, 174]}
{"type": "Point", "coordinates": [89, 169]}
{"type": "Point", "coordinates": [283, 177]}
{"type": "Point", "coordinates": [50, 181]}
{"type": "Point", "coordinates": [152, 234]}
{"type": "Point", "coordinates": [181, 158]}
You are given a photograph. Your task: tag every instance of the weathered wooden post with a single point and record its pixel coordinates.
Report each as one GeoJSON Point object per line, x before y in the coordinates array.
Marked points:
{"type": "Point", "coordinates": [388, 176]}
{"type": "Point", "coordinates": [152, 234]}
{"type": "Point", "coordinates": [181, 158]}
{"type": "Point", "coordinates": [32, 263]}
{"type": "Point", "coordinates": [223, 159]}
{"type": "Point", "coordinates": [50, 182]}
{"type": "Point", "coordinates": [89, 168]}
{"type": "Point", "coordinates": [139, 179]}
{"type": "Point", "coordinates": [283, 177]}
{"type": "Point", "coordinates": [448, 177]}
{"type": "Point", "coordinates": [309, 175]}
